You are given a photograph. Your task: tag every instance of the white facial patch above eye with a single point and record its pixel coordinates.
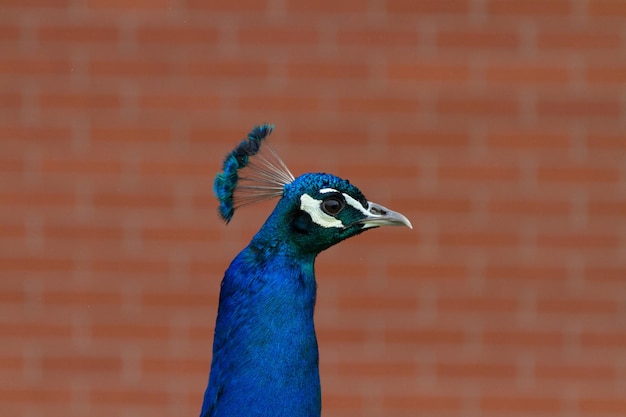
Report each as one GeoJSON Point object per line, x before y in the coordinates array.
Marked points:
{"type": "Point", "coordinates": [328, 190]}
{"type": "Point", "coordinates": [313, 207]}
{"type": "Point", "coordinates": [354, 203]}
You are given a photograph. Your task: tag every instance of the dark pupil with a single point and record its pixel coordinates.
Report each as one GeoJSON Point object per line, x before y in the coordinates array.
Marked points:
{"type": "Point", "coordinates": [332, 206]}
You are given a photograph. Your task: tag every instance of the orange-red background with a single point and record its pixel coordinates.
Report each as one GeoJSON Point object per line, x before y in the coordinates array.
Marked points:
{"type": "Point", "coordinates": [496, 126]}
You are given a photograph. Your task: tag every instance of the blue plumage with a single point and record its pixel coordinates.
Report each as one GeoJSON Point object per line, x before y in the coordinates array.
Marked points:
{"type": "Point", "coordinates": [226, 181]}
{"type": "Point", "coordinates": [265, 355]}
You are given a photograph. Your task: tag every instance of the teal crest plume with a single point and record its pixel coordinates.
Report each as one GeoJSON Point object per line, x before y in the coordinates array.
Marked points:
{"type": "Point", "coordinates": [246, 180]}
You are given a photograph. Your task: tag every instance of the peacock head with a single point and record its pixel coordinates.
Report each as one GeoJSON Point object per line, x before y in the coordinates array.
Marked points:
{"type": "Point", "coordinates": [315, 211]}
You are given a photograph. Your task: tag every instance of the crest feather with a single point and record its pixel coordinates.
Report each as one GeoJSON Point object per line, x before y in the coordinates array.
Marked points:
{"type": "Point", "coordinates": [264, 174]}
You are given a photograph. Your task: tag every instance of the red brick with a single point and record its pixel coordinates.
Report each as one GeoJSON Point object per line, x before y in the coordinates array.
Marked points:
{"type": "Point", "coordinates": [601, 209]}
{"type": "Point", "coordinates": [32, 134]}
{"type": "Point", "coordinates": [81, 363]}
{"type": "Point", "coordinates": [574, 306]}
{"type": "Point", "coordinates": [43, 396]}
{"type": "Point", "coordinates": [179, 102]}
{"type": "Point", "coordinates": [333, 401]}
{"type": "Point", "coordinates": [611, 141]}
{"type": "Point", "coordinates": [367, 369]}
{"type": "Point", "coordinates": [74, 231]}
{"type": "Point", "coordinates": [421, 7]}
{"type": "Point", "coordinates": [377, 303]}
{"type": "Point", "coordinates": [373, 104]}
{"type": "Point", "coordinates": [523, 339]}
{"type": "Point", "coordinates": [577, 174]}
{"type": "Point", "coordinates": [79, 101]}
{"type": "Point", "coordinates": [10, 99]}
{"type": "Point", "coordinates": [278, 36]}
{"type": "Point", "coordinates": [128, 397]}
{"type": "Point", "coordinates": [429, 139]}
{"type": "Point", "coordinates": [425, 337]}
{"type": "Point", "coordinates": [171, 366]}
{"type": "Point", "coordinates": [434, 205]}
{"type": "Point", "coordinates": [373, 37]}
{"type": "Point", "coordinates": [74, 165]}
{"type": "Point", "coordinates": [77, 33]}
{"type": "Point", "coordinates": [423, 402]}
{"type": "Point", "coordinates": [326, 6]}
{"type": "Point", "coordinates": [603, 339]}
{"type": "Point", "coordinates": [529, 207]}
{"type": "Point", "coordinates": [607, 8]}
{"type": "Point", "coordinates": [183, 35]}
{"type": "Point", "coordinates": [527, 273]}
{"type": "Point", "coordinates": [527, 73]}
{"type": "Point", "coordinates": [579, 40]}
{"type": "Point", "coordinates": [520, 403]}
{"type": "Point", "coordinates": [133, 200]}
{"type": "Point", "coordinates": [23, 329]}
{"type": "Point", "coordinates": [569, 372]}
{"type": "Point", "coordinates": [478, 39]}
{"type": "Point", "coordinates": [224, 68]}
{"type": "Point", "coordinates": [428, 72]}
{"type": "Point", "coordinates": [349, 335]}
{"type": "Point", "coordinates": [239, 7]}
{"type": "Point", "coordinates": [517, 138]}
{"type": "Point", "coordinates": [130, 134]}
{"type": "Point", "coordinates": [135, 5]}
{"type": "Point", "coordinates": [174, 299]}
{"type": "Point", "coordinates": [8, 297]}
{"type": "Point", "coordinates": [603, 404]}
{"type": "Point", "coordinates": [279, 103]}
{"type": "Point", "coordinates": [327, 70]}
{"type": "Point", "coordinates": [474, 107]}
{"type": "Point", "coordinates": [611, 74]}
{"type": "Point", "coordinates": [136, 68]}
{"type": "Point", "coordinates": [530, 8]}
{"type": "Point", "coordinates": [37, 199]}
{"type": "Point", "coordinates": [605, 274]}
{"type": "Point", "coordinates": [571, 240]}
{"type": "Point", "coordinates": [24, 263]}
{"type": "Point", "coordinates": [478, 239]}
{"type": "Point", "coordinates": [584, 108]}
{"type": "Point", "coordinates": [11, 166]}
{"type": "Point", "coordinates": [323, 136]}
{"type": "Point", "coordinates": [133, 266]}
{"type": "Point", "coordinates": [28, 66]}
{"type": "Point", "coordinates": [417, 271]}
{"type": "Point", "coordinates": [36, 4]}
{"type": "Point", "coordinates": [180, 234]}
{"type": "Point", "coordinates": [476, 304]}
{"type": "Point", "coordinates": [174, 168]}
{"type": "Point", "coordinates": [140, 331]}
{"type": "Point", "coordinates": [9, 33]}
{"type": "Point", "coordinates": [11, 363]}
{"type": "Point", "coordinates": [81, 298]}
{"type": "Point", "coordinates": [12, 230]}
{"type": "Point", "coordinates": [366, 170]}
{"type": "Point", "coordinates": [479, 370]}
{"type": "Point", "coordinates": [478, 172]}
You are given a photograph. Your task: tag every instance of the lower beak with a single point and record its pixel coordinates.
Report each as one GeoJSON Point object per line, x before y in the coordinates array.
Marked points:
{"type": "Point", "coordinates": [382, 216]}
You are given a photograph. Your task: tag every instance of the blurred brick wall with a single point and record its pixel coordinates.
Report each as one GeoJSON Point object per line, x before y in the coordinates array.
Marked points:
{"type": "Point", "coordinates": [497, 126]}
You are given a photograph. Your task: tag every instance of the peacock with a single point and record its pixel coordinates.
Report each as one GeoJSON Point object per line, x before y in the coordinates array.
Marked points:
{"type": "Point", "coordinates": [265, 353]}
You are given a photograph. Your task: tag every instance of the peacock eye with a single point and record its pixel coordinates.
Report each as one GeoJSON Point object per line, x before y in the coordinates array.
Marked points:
{"type": "Point", "coordinates": [332, 205]}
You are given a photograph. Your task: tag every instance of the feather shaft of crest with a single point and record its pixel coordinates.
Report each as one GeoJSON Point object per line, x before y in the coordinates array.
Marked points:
{"type": "Point", "coordinates": [265, 174]}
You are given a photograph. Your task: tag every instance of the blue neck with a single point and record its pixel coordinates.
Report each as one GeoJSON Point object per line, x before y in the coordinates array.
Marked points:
{"type": "Point", "coordinates": [265, 357]}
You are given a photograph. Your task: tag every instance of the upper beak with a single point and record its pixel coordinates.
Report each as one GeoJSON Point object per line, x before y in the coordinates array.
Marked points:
{"type": "Point", "coordinates": [382, 216]}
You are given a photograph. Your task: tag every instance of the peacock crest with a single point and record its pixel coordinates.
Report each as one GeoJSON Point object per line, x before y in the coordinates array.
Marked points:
{"type": "Point", "coordinates": [251, 173]}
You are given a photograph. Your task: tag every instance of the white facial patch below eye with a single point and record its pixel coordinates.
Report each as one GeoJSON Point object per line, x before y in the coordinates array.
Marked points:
{"type": "Point", "coordinates": [313, 207]}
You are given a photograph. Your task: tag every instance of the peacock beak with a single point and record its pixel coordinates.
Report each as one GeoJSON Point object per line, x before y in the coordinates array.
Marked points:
{"type": "Point", "coordinates": [378, 215]}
